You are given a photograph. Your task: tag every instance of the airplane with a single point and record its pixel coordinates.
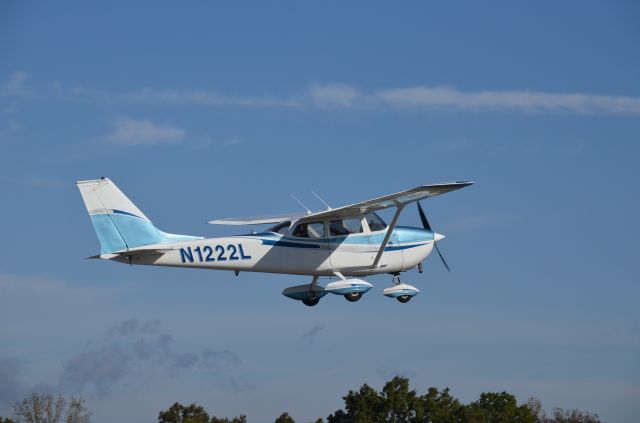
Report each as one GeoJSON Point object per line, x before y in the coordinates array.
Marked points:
{"type": "Point", "coordinates": [348, 242]}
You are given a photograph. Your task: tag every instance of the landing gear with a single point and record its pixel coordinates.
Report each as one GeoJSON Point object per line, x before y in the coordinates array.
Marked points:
{"type": "Point", "coordinates": [310, 301]}
{"type": "Point", "coordinates": [401, 291]}
{"type": "Point", "coordinates": [309, 294]}
{"type": "Point", "coordinates": [353, 296]}
{"type": "Point", "coordinates": [351, 289]}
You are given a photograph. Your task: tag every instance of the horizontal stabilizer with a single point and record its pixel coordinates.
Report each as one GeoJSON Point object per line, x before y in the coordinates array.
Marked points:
{"type": "Point", "coordinates": [138, 251]}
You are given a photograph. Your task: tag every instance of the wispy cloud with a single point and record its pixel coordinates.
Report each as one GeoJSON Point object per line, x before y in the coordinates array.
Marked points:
{"type": "Point", "coordinates": [343, 95]}
{"type": "Point", "coordinates": [331, 95]}
{"type": "Point", "coordinates": [179, 97]}
{"type": "Point", "coordinates": [447, 97]}
{"type": "Point", "coordinates": [444, 97]}
{"type": "Point", "coordinates": [132, 132]}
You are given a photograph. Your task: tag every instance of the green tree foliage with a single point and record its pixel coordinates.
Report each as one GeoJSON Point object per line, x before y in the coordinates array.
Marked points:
{"type": "Point", "coordinates": [573, 416]}
{"type": "Point", "coordinates": [193, 413]}
{"type": "Point", "coordinates": [179, 413]}
{"type": "Point", "coordinates": [240, 419]}
{"type": "Point", "coordinates": [37, 408]}
{"type": "Point", "coordinates": [6, 420]}
{"type": "Point", "coordinates": [398, 403]}
{"type": "Point", "coordinates": [439, 407]}
{"type": "Point", "coordinates": [285, 418]}
{"type": "Point", "coordinates": [493, 407]}
{"type": "Point", "coordinates": [560, 415]}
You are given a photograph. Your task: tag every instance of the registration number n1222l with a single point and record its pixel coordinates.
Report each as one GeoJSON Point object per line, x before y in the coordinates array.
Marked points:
{"type": "Point", "coordinates": [209, 253]}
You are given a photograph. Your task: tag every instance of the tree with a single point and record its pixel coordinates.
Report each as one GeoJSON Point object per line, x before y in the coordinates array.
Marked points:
{"type": "Point", "coordinates": [37, 408]}
{"type": "Point", "coordinates": [179, 413]}
{"type": "Point", "coordinates": [493, 407]}
{"type": "Point", "coordinates": [439, 407]}
{"type": "Point", "coordinates": [240, 419]}
{"type": "Point", "coordinates": [400, 403]}
{"type": "Point", "coordinates": [284, 418]}
{"type": "Point", "coordinates": [6, 420]}
{"type": "Point", "coordinates": [363, 406]}
{"type": "Point", "coordinates": [535, 406]}
{"type": "Point", "coordinates": [573, 416]}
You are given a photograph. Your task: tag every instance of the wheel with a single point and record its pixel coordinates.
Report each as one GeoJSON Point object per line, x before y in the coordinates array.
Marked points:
{"type": "Point", "coordinates": [352, 297]}
{"type": "Point", "coordinates": [310, 302]}
{"type": "Point", "coordinates": [404, 298]}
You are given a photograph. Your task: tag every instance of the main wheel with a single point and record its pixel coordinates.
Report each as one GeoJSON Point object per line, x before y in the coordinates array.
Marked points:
{"type": "Point", "coordinates": [353, 296]}
{"type": "Point", "coordinates": [404, 298]}
{"type": "Point", "coordinates": [310, 302]}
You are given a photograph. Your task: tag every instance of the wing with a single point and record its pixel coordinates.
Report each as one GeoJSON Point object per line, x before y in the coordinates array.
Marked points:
{"type": "Point", "coordinates": [260, 220]}
{"type": "Point", "coordinates": [399, 199]}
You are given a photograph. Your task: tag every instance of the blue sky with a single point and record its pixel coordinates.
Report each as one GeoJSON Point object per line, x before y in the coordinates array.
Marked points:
{"type": "Point", "coordinates": [217, 110]}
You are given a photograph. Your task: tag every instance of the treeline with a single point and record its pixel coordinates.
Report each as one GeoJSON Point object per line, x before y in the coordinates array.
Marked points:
{"type": "Point", "coordinates": [396, 403]}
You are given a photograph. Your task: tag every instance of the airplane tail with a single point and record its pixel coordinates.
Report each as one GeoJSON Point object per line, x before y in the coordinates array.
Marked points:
{"type": "Point", "coordinates": [119, 224]}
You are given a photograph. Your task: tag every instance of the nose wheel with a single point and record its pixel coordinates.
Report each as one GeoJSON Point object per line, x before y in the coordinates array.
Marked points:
{"type": "Point", "coordinates": [400, 291]}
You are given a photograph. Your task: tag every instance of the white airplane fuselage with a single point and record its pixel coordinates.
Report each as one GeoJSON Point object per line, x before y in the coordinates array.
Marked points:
{"type": "Point", "coordinates": [269, 252]}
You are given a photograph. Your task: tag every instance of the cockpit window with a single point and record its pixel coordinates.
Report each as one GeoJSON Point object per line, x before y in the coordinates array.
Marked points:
{"type": "Point", "coordinates": [375, 222]}
{"type": "Point", "coordinates": [280, 228]}
{"type": "Point", "coordinates": [309, 230]}
{"type": "Point", "coordinates": [350, 225]}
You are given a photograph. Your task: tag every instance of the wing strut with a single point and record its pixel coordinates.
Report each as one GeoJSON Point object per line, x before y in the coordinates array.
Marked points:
{"type": "Point", "coordinates": [388, 235]}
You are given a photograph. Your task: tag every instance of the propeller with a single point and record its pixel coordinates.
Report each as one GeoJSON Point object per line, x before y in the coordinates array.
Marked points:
{"type": "Point", "coordinates": [425, 224]}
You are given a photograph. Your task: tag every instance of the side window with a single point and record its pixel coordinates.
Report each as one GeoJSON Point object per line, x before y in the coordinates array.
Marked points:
{"type": "Point", "coordinates": [280, 228]}
{"type": "Point", "coordinates": [351, 225]}
{"type": "Point", "coordinates": [309, 230]}
{"type": "Point", "coordinates": [375, 222]}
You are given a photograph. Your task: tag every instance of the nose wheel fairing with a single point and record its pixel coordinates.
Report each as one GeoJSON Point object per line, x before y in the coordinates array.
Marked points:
{"type": "Point", "coordinates": [403, 292]}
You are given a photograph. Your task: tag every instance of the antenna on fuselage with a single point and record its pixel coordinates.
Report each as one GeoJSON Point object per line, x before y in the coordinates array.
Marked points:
{"type": "Point", "coordinates": [300, 202]}
{"type": "Point", "coordinates": [323, 202]}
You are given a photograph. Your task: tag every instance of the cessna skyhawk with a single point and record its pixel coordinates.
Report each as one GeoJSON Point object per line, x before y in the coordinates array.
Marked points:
{"type": "Point", "coordinates": [348, 242]}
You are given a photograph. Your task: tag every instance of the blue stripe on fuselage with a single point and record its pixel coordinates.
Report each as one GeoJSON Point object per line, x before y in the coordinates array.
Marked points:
{"type": "Point", "coordinates": [408, 237]}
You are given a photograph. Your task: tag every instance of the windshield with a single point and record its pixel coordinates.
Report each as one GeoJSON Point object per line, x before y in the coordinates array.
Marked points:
{"type": "Point", "coordinates": [280, 228]}
{"type": "Point", "coordinates": [375, 222]}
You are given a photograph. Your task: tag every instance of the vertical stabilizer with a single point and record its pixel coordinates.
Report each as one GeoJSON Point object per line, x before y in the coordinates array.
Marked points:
{"type": "Point", "coordinates": [119, 224]}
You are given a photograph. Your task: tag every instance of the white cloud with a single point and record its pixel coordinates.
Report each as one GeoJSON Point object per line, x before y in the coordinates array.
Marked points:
{"type": "Point", "coordinates": [132, 132]}
{"type": "Point", "coordinates": [341, 95]}
{"type": "Point", "coordinates": [183, 97]}
{"type": "Point", "coordinates": [434, 97]}
{"type": "Point", "coordinates": [326, 95]}
{"type": "Point", "coordinates": [426, 97]}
